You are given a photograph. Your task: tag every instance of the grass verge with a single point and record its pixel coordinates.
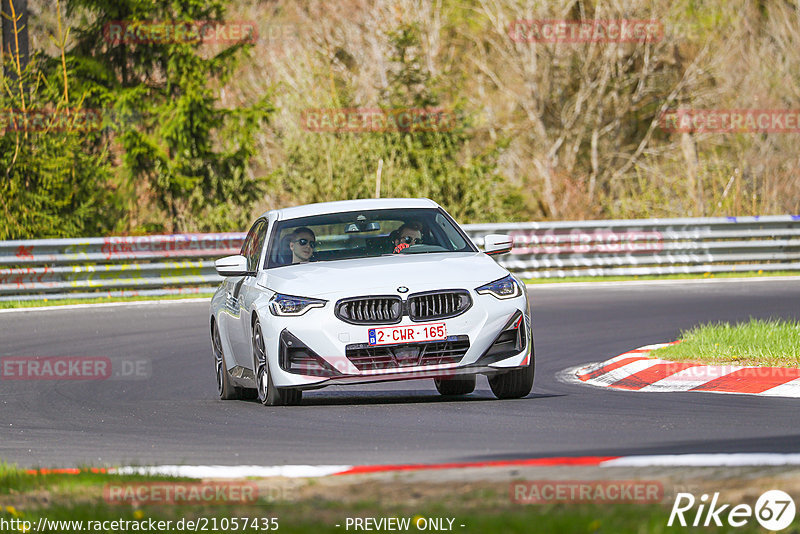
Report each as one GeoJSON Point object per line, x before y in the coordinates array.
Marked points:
{"type": "Point", "coordinates": [102, 300]}
{"type": "Point", "coordinates": [772, 343]}
{"type": "Point", "coordinates": [15, 481]}
{"type": "Point", "coordinates": [324, 505]}
{"type": "Point", "coordinates": [323, 517]}
{"type": "Point", "coordinates": [480, 511]}
{"type": "Point", "coordinates": [7, 470]}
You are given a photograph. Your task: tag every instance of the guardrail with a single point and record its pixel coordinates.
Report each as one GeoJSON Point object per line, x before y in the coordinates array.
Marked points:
{"type": "Point", "coordinates": [183, 264]}
{"type": "Point", "coordinates": [642, 247]}
{"type": "Point", "coordinates": [113, 266]}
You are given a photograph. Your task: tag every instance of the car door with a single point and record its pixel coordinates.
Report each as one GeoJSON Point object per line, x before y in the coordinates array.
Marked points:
{"type": "Point", "coordinates": [238, 328]}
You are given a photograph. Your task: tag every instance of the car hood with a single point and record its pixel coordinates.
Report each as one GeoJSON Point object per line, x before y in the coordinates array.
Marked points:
{"type": "Point", "coordinates": [384, 274]}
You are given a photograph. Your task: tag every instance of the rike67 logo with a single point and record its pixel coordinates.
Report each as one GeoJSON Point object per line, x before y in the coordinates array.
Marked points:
{"type": "Point", "coordinates": [774, 510]}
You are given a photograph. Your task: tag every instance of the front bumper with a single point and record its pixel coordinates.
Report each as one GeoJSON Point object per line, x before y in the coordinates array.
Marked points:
{"type": "Point", "coordinates": [327, 337]}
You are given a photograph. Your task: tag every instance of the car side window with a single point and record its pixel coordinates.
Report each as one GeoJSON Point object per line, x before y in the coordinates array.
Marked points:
{"type": "Point", "coordinates": [251, 249]}
{"type": "Point", "coordinates": [456, 242]}
{"type": "Point", "coordinates": [248, 240]}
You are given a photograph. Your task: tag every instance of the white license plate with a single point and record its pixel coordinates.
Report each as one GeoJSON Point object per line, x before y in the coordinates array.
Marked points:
{"type": "Point", "coordinates": [390, 335]}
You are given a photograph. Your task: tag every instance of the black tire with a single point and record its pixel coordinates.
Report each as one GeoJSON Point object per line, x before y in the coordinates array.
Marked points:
{"type": "Point", "coordinates": [462, 385]}
{"type": "Point", "coordinates": [514, 384]}
{"type": "Point", "coordinates": [267, 393]}
{"type": "Point", "coordinates": [225, 388]}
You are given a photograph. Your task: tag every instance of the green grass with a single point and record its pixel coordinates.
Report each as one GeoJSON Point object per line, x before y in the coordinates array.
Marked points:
{"type": "Point", "coordinates": [321, 516]}
{"type": "Point", "coordinates": [774, 343]}
{"type": "Point", "coordinates": [15, 480]}
{"type": "Point", "coordinates": [101, 300]}
{"type": "Point", "coordinates": [7, 470]}
{"type": "Point", "coordinates": [704, 276]}
{"type": "Point", "coordinates": [482, 510]}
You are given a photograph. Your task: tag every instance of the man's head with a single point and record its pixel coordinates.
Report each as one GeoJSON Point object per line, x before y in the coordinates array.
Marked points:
{"type": "Point", "coordinates": [407, 235]}
{"type": "Point", "coordinates": [302, 244]}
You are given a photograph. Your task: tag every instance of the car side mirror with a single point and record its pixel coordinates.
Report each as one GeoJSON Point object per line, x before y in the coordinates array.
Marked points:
{"type": "Point", "coordinates": [497, 244]}
{"type": "Point", "coordinates": [232, 266]}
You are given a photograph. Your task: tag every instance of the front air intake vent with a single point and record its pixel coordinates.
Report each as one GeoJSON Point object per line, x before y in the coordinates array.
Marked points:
{"type": "Point", "coordinates": [371, 358]}
{"type": "Point", "coordinates": [370, 310]}
{"type": "Point", "coordinates": [434, 305]}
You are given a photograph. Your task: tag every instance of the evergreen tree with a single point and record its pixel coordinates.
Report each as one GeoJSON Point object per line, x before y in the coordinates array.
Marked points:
{"type": "Point", "coordinates": [56, 170]}
{"type": "Point", "coordinates": [192, 154]}
{"type": "Point", "coordinates": [422, 162]}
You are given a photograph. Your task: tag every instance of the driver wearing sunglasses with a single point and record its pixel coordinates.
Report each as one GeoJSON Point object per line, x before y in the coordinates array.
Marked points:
{"type": "Point", "coordinates": [407, 235]}
{"type": "Point", "coordinates": [302, 244]}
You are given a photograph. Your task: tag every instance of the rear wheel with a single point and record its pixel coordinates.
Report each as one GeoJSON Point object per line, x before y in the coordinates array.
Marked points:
{"type": "Point", "coordinates": [225, 388]}
{"type": "Point", "coordinates": [514, 384]}
{"type": "Point", "coordinates": [268, 394]}
{"type": "Point", "coordinates": [462, 385]}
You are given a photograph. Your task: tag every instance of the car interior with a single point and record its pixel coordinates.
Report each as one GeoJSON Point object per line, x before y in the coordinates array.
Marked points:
{"type": "Point", "coordinates": [345, 237]}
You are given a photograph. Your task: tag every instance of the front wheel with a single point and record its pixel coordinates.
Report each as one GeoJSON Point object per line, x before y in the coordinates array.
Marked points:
{"type": "Point", "coordinates": [513, 384]}
{"type": "Point", "coordinates": [268, 394]}
{"type": "Point", "coordinates": [225, 388]}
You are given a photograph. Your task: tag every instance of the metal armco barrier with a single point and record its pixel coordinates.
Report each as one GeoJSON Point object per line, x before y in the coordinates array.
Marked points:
{"type": "Point", "coordinates": [113, 266]}
{"type": "Point", "coordinates": [181, 264]}
{"type": "Point", "coordinates": [643, 247]}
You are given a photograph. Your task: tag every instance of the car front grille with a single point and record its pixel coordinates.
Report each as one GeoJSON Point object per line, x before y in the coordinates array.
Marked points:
{"type": "Point", "coordinates": [370, 310]}
{"type": "Point", "coordinates": [369, 358]}
{"type": "Point", "coordinates": [438, 304]}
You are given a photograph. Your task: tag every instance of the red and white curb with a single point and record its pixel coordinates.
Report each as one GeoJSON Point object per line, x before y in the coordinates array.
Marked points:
{"type": "Point", "coordinates": [317, 471]}
{"type": "Point", "coordinates": [635, 370]}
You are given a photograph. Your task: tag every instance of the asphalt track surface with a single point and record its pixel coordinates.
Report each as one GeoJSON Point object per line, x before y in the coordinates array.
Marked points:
{"type": "Point", "coordinates": [173, 417]}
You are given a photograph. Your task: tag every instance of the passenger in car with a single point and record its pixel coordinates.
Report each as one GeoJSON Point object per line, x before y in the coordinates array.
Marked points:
{"type": "Point", "coordinates": [408, 234]}
{"type": "Point", "coordinates": [302, 243]}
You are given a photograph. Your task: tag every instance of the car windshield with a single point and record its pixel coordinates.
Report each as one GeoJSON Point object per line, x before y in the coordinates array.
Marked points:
{"type": "Point", "coordinates": [362, 234]}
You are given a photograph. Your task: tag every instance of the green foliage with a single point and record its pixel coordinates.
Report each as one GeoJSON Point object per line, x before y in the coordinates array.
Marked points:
{"type": "Point", "coordinates": [771, 342]}
{"type": "Point", "coordinates": [56, 176]}
{"type": "Point", "coordinates": [192, 154]}
{"type": "Point", "coordinates": [540, 130]}
{"type": "Point", "coordinates": [172, 158]}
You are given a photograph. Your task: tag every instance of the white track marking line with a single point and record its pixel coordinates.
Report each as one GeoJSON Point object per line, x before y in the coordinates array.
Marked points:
{"type": "Point", "coordinates": [691, 378]}
{"type": "Point", "coordinates": [789, 389]}
{"type": "Point", "coordinates": [311, 471]}
{"type": "Point", "coordinates": [106, 305]}
{"type": "Point", "coordinates": [704, 460]}
{"type": "Point", "coordinates": [234, 471]}
{"type": "Point", "coordinates": [609, 378]}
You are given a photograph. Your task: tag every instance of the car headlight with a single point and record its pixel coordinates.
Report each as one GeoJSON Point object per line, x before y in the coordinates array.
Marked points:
{"type": "Point", "coordinates": [287, 305]}
{"type": "Point", "coordinates": [505, 288]}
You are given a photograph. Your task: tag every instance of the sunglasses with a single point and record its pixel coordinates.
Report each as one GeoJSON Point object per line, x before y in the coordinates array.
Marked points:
{"type": "Point", "coordinates": [411, 240]}
{"type": "Point", "coordinates": [303, 242]}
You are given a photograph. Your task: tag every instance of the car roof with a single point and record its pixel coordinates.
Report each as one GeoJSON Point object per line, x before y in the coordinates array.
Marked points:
{"type": "Point", "coordinates": [341, 206]}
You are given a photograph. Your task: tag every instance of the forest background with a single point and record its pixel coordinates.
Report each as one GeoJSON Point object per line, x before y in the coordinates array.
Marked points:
{"type": "Point", "coordinates": [204, 136]}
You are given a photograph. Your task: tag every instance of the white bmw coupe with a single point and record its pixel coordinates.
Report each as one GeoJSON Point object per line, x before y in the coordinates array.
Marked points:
{"type": "Point", "coordinates": [365, 291]}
